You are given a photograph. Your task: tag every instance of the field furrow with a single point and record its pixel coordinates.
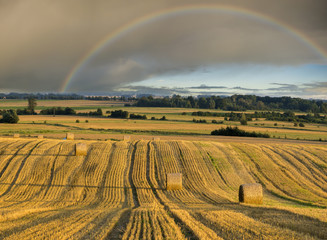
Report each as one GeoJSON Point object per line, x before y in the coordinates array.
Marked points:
{"type": "Point", "coordinates": [118, 190]}
{"type": "Point", "coordinates": [298, 172]}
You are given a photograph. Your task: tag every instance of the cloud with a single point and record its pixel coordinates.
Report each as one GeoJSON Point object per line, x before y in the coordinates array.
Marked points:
{"type": "Point", "coordinates": [246, 89]}
{"type": "Point", "coordinates": [42, 40]}
{"type": "Point", "coordinates": [284, 87]}
{"type": "Point", "coordinates": [203, 86]}
{"type": "Point", "coordinates": [162, 91]}
{"type": "Point", "coordinates": [317, 90]}
{"type": "Point", "coordinates": [316, 87]}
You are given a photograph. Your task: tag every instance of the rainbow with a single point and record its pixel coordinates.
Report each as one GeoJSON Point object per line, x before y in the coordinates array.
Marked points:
{"type": "Point", "coordinates": [139, 22]}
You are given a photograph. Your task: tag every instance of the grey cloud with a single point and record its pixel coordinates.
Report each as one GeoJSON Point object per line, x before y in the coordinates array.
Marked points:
{"type": "Point", "coordinates": [316, 88]}
{"type": "Point", "coordinates": [162, 91]}
{"type": "Point", "coordinates": [246, 89]}
{"type": "Point", "coordinates": [284, 87]}
{"type": "Point", "coordinates": [203, 86]}
{"type": "Point", "coordinates": [41, 40]}
{"type": "Point", "coordinates": [165, 91]}
{"type": "Point", "coordinates": [316, 84]}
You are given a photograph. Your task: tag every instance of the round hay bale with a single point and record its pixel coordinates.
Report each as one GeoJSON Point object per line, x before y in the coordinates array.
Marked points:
{"type": "Point", "coordinates": [40, 136]}
{"type": "Point", "coordinates": [251, 193]}
{"type": "Point", "coordinates": [127, 138]}
{"type": "Point", "coordinates": [80, 149]}
{"type": "Point", "coordinates": [156, 138]}
{"type": "Point", "coordinates": [70, 136]}
{"type": "Point", "coordinates": [16, 135]}
{"type": "Point", "coordinates": [174, 181]}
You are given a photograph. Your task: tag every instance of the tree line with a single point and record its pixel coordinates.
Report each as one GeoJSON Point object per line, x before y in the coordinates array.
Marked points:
{"type": "Point", "coordinates": [288, 116]}
{"type": "Point", "coordinates": [235, 131]}
{"type": "Point", "coordinates": [39, 96]}
{"type": "Point", "coordinates": [236, 103]}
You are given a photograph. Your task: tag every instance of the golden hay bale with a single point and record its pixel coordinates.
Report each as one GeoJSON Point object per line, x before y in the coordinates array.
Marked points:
{"type": "Point", "coordinates": [80, 149]}
{"type": "Point", "coordinates": [40, 136]}
{"type": "Point", "coordinates": [251, 193]}
{"type": "Point", "coordinates": [16, 135]}
{"type": "Point", "coordinates": [156, 138]}
{"type": "Point", "coordinates": [70, 136]}
{"type": "Point", "coordinates": [127, 138]}
{"type": "Point", "coordinates": [174, 181]}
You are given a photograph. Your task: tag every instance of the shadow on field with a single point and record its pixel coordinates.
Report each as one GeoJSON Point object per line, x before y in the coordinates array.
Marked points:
{"type": "Point", "coordinates": [73, 186]}
{"type": "Point", "coordinates": [39, 155]}
{"type": "Point", "coordinates": [272, 216]}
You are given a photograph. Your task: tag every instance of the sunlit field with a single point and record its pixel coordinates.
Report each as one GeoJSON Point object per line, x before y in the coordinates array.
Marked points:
{"type": "Point", "coordinates": [118, 190]}
{"type": "Point", "coordinates": [176, 125]}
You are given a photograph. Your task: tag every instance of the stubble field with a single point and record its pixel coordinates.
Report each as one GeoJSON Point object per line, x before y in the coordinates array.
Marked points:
{"type": "Point", "coordinates": [118, 190]}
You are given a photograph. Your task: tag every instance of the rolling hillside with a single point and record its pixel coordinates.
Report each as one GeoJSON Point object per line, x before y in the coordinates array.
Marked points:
{"type": "Point", "coordinates": [118, 190]}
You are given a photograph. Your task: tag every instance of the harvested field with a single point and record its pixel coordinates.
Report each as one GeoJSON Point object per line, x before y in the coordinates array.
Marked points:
{"type": "Point", "coordinates": [97, 128]}
{"type": "Point", "coordinates": [118, 190]}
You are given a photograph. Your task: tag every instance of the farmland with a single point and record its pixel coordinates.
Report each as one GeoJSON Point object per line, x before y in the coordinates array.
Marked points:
{"type": "Point", "coordinates": [118, 190]}
{"type": "Point", "coordinates": [176, 125]}
{"type": "Point", "coordinates": [179, 123]}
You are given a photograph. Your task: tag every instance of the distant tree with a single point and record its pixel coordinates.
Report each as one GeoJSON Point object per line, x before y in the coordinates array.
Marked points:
{"type": "Point", "coordinates": [323, 108]}
{"type": "Point", "coordinates": [212, 104]}
{"type": "Point", "coordinates": [188, 104]}
{"type": "Point", "coordinates": [31, 104]}
{"type": "Point", "coordinates": [137, 116]}
{"type": "Point", "coordinates": [9, 116]}
{"type": "Point", "coordinates": [203, 103]}
{"type": "Point", "coordinates": [260, 105]}
{"type": "Point", "coordinates": [69, 111]}
{"type": "Point", "coordinates": [58, 111]}
{"type": "Point", "coordinates": [243, 120]}
{"type": "Point", "coordinates": [119, 114]}
{"type": "Point", "coordinates": [301, 125]}
{"type": "Point", "coordinates": [99, 112]}
{"type": "Point", "coordinates": [230, 131]}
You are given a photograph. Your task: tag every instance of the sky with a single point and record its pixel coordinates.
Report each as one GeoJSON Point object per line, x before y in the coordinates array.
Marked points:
{"type": "Point", "coordinates": [165, 47]}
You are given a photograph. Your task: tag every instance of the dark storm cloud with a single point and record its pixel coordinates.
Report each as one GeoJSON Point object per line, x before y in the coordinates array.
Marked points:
{"type": "Point", "coordinates": [41, 40]}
